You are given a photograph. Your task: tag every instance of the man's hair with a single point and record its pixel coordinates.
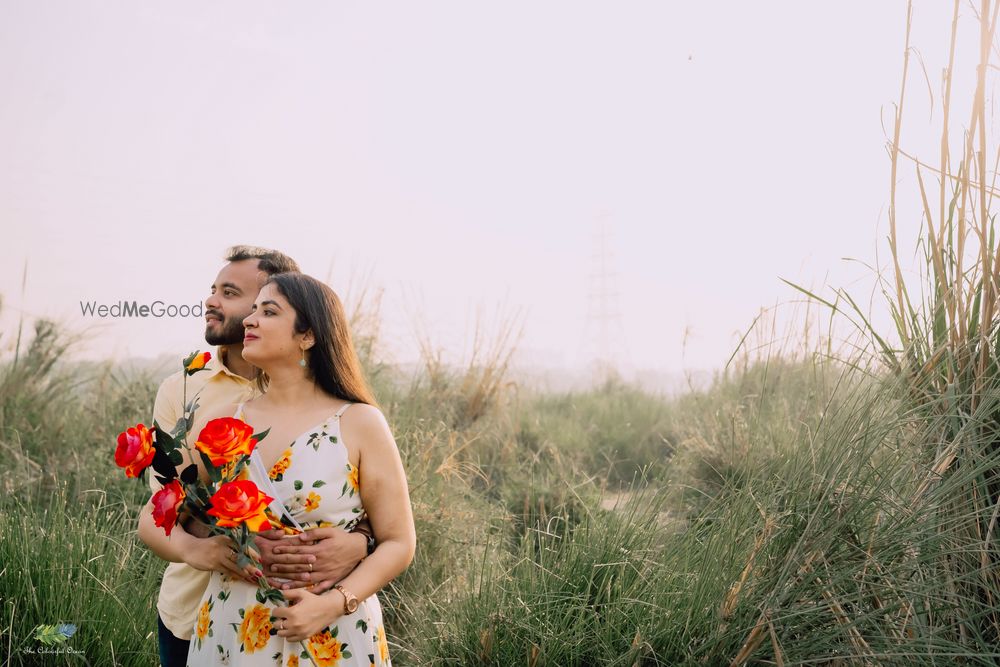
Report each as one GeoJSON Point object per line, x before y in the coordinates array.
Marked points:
{"type": "Point", "coordinates": [269, 261]}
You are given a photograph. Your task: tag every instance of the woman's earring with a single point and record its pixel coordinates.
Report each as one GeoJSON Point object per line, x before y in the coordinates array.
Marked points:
{"type": "Point", "coordinates": [302, 361]}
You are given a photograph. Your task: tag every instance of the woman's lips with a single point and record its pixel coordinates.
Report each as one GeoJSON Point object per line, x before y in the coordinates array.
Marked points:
{"type": "Point", "coordinates": [249, 337]}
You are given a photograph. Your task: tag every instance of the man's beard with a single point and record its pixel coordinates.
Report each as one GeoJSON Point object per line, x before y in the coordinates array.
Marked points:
{"type": "Point", "coordinates": [231, 333]}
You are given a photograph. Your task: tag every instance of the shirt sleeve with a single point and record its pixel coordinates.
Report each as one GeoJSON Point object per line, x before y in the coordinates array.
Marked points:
{"type": "Point", "coordinates": [166, 412]}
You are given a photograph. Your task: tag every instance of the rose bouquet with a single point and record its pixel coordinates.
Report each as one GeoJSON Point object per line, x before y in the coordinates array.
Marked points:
{"type": "Point", "coordinates": [229, 503]}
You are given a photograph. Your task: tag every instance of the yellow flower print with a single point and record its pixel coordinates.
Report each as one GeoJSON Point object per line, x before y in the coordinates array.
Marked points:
{"type": "Point", "coordinates": [353, 483]}
{"type": "Point", "coordinates": [312, 502]}
{"type": "Point", "coordinates": [383, 644]}
{"type": "Point", "coordinates": [281, 465]}
{"type": "Point", "coordinates": [255, 631]}
{"type": "Point", "coordinates": [203, 628]}
{"type": "Point", "coordinates": [325, 648]}
{"type": "Point", "coordinates": [293, 660]}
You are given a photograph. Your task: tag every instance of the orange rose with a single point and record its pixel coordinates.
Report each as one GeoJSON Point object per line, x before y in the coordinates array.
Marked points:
{"type": "Point", "coordinates": [223, 439]}
{"type": "Point", "coordinates": [240, 502]}
{"type": "Point", "coordinates": [255, 630]}
{"type": "Point", "coordinates": [325, 648]}
{"type": "Point", "coordinates": [135, 450]}
{"type": "Point", "coordinates": [166, 502]}
{"type": "Point", "coordinates": [196, 362]}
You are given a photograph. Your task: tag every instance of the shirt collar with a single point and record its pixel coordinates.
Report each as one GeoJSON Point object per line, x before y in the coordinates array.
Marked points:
{"type": "Point", "coordinates": [215, 364]}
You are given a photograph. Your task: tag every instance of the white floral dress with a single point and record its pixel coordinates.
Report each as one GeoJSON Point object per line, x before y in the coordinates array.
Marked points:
{"type": "Point", "coordinates": [318, 486]}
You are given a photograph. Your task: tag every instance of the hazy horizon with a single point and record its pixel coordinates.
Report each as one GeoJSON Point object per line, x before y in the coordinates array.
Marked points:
{"type": "Point", "coordinates": [459, 158]}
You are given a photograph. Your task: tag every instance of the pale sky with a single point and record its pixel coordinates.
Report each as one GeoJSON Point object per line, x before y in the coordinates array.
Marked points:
{"type": "Point", "coordinates": [459, 154]}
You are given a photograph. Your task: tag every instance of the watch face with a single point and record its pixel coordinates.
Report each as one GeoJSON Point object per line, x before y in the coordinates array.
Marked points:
{"type": "Point", "coordinates": [352, 605]}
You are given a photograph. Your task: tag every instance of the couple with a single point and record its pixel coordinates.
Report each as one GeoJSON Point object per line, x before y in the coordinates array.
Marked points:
{"type": "Point", "coordinates": [285, 362]}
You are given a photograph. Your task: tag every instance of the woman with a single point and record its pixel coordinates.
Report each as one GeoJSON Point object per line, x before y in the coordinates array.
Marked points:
{"type": "Point", "coordinates": [329, 459]}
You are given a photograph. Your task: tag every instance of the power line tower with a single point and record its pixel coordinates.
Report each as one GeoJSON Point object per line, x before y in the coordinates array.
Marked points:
{"type": "Point", "coordinates": [604, 333]}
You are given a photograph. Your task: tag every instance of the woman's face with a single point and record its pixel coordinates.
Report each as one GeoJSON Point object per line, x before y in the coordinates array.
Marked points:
{"type": "Point", "coordinates": [269, 340]}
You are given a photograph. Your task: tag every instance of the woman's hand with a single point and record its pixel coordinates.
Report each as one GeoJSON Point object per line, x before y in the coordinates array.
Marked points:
{"type": "Point", "coordinates": [218, 554]}
{"type": "Point", "coordinates": [308, 614]}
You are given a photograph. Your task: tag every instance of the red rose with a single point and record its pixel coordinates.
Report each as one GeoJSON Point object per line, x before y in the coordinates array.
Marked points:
{"type": "Point", "coordinates": [135, 450]}
{"type": "Point", "coordinates": [224, 439]}
{"type": "Point", "coordinates": [240, 502]}
{"type": "Point", "coordinates": [166, 502]}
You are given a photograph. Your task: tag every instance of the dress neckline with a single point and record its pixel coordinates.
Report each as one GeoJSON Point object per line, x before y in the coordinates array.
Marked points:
{"type": "Point", "coordinates": [267, 468]}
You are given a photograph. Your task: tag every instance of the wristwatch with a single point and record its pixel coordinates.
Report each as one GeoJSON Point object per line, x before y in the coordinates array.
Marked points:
{"type": "Point", "coordinates": [350, 600]}
{"type": "Point", "coordinates": [370, 546]}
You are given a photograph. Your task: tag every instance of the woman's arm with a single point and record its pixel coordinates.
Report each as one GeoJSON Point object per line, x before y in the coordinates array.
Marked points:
{"type": "Point", "coordinates": [386, 499]}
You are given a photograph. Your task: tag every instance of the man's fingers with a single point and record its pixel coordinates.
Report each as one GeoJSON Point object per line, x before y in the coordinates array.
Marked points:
{"type": "Point", "coordinates": [272, 534]}
{"type": "Point", "coordinates": [295, 548]}
{"type": "Point", "coordinates": [294, 576]}
{"type": "Point", "coordinates": [292, 568]}
{"type": "Point", "coordinates": [318, 534]}
{"type": "Point", "coordinates": [293, 558]}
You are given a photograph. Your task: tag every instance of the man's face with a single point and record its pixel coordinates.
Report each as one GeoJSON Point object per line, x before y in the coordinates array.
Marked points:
{"type": "Point", "coordinates": [233, 294]}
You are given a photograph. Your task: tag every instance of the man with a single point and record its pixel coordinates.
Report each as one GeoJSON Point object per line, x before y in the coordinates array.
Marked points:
{"type": "Point", "coordinates": [318, 558]}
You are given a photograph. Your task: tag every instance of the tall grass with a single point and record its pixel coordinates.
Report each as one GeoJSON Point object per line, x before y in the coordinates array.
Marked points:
{"type": "Point", "coordinates": [802, 509]}
{"type": "Point", "coordinates": [946, 360]}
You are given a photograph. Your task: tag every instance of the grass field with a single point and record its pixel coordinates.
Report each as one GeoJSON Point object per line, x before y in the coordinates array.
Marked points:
{"type": "Point", "coordinates": [806, 508]}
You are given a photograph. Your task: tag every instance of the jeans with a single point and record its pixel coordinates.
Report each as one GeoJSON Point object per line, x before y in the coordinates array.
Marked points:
{"type": "Point", "coordinates": [173, 651]}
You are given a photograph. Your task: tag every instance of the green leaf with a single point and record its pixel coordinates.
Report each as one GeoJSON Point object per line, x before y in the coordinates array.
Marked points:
{"type": "Point", "coordinates": [298, 485]}
{"type": "Point", "coordinates": [318, 483]}
{"type": "Point", "coordinates": [190, 474]}
{"type": "Point", "coordinates": [49, 635]}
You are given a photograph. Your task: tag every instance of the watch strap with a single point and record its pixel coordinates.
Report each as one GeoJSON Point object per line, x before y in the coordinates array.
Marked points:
{"type": "Point", "coordinates": [348, 598]}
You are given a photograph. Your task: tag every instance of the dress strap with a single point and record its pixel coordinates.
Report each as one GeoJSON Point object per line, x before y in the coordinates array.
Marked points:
{"type": "Point", "coordinates": [239, 408]}
{"type": "Point", "coordinates": [342, 410]}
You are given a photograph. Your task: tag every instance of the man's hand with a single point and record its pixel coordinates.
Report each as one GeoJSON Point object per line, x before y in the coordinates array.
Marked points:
{"type": "Point", "coordinates": [316, 559]}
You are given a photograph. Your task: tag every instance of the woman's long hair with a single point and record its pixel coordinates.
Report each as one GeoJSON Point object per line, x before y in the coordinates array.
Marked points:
{"type": "Point", "coordinates": [333, 361]}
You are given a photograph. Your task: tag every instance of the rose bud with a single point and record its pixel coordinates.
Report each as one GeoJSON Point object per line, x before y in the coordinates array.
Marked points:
{"type": "Point", "coordinates": [196, 362]}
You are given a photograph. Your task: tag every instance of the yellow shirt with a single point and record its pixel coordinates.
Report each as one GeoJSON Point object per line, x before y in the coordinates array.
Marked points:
{"type": "Point", "coordinates": [217, 387]}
